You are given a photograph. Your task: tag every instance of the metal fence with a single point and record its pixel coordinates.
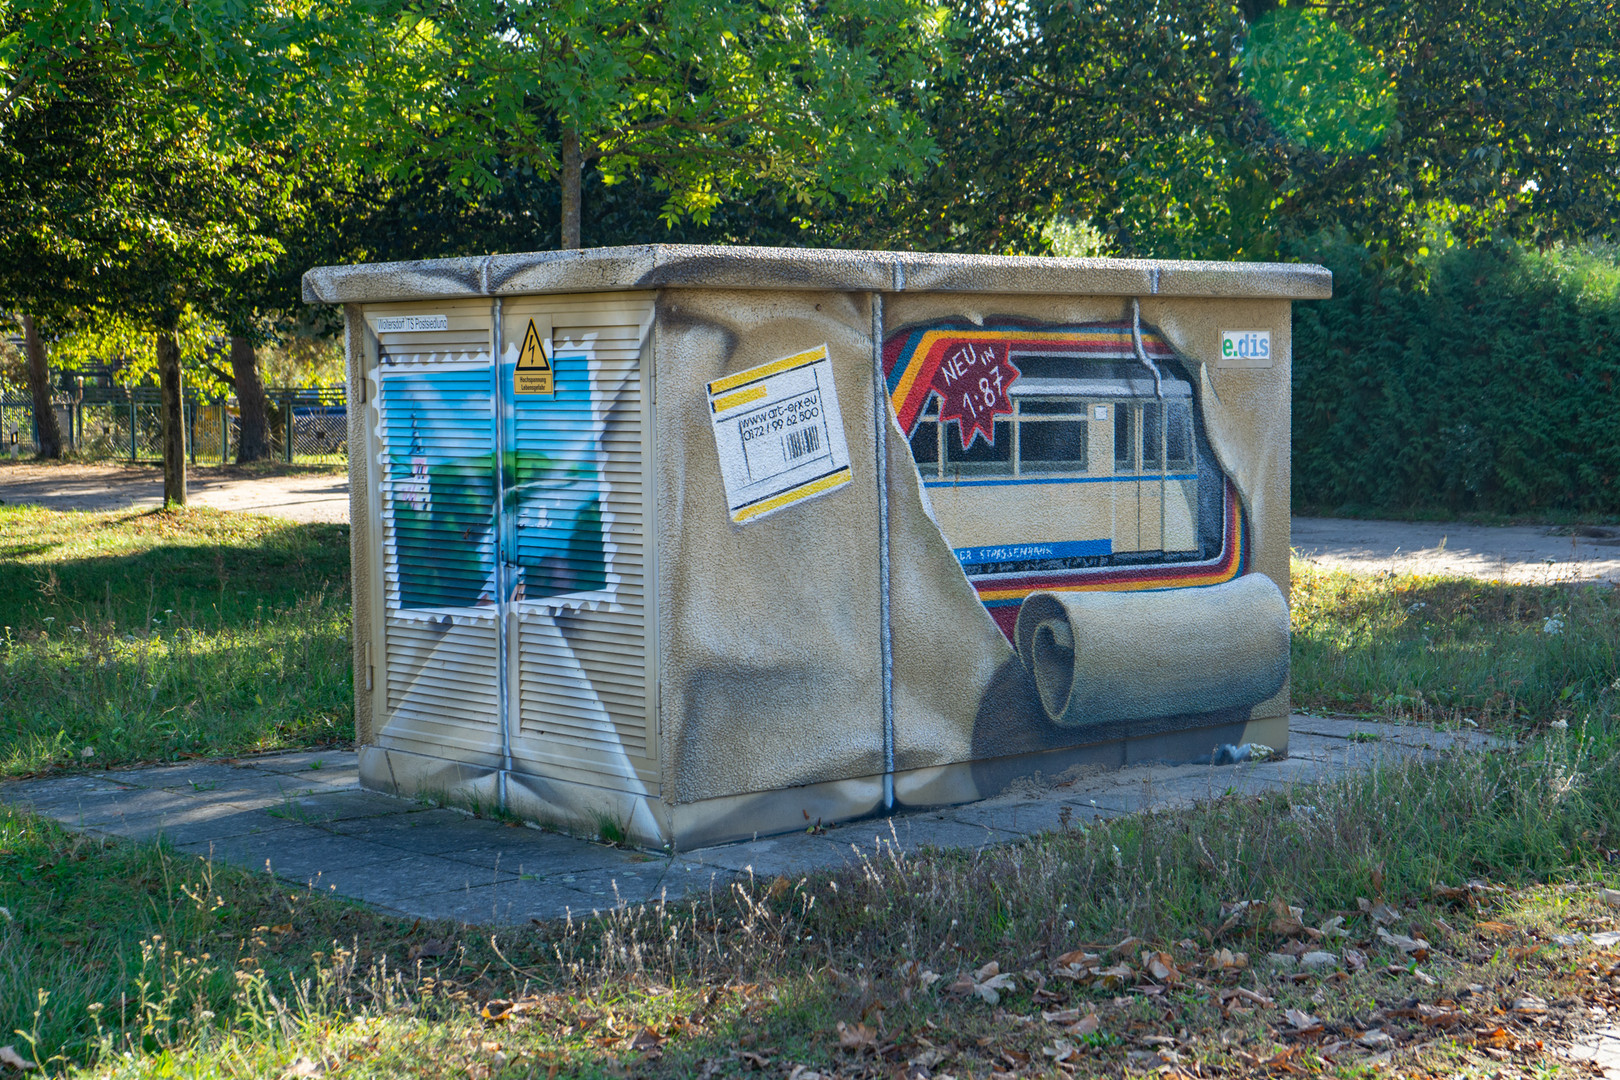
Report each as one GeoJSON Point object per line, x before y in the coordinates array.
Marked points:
{"type": "Point", "coordinates": [307, 424]}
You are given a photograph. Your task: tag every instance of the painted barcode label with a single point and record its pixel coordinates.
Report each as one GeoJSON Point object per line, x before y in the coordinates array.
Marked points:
{"type": "Point", "coordinates": [802, 443]}
{"type": "Point", "coordinates": [779, 434]}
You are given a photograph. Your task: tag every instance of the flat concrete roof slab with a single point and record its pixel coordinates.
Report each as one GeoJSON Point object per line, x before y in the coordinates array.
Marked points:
{"type": "Point", "coordinates": [660, 266]}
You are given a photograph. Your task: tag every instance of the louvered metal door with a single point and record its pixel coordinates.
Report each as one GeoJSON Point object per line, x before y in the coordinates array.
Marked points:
{"type": "Point", "coordinates": [573, 533]}
{"type": "Point", "coordinates": [434, 470]}
{"type": "Point", "coordinates": [512, 533]}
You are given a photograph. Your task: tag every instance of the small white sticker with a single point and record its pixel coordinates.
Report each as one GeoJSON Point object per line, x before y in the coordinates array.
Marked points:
{"type": "Point", "coordinates": [1245, 349]}
{"type": "Point", "coordinates": [1100, 412]}
{"type": "Point", "coordinates": [779, 434]}
{"type": "Point", "coordinates": [411, 324]}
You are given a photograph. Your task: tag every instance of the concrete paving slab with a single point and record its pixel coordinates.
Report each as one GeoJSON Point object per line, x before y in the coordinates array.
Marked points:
{"type": "Point", "coordinates": [305, 761]}
{"type": "Point", "coordinates": [1292, 772]}
{"type": "Point", "coordinates": [200, 821]}
{"type": "Point", "coordinates": [136, 808]}
{"type": "Point", "coordinates": [68, 798]}
{"type": "Point", "coordinates": [196, 776]}
{"type": "Point", "coordinates": [1525, 553]}
{"type": "Point", "coordinates": [793, 855]}
{"type": "Point", "coordinates": [423, 832]}
{"type": "Point", "coordinates": [1023, 817]}
{"type": "Point", "coordinates": [881, 836]}
{"type": "Point", "coordinates": [296, 853]}
{"type": "Point", "coordinates": [609, 889]}
{"type": "Point", "coordinates": [324, 807]}
{"type": "Point", "coordinates": [317, 826]}
{"type": "Point", "coordinates": [405, 878]}
{"type": "Point", "coordinates": [508, 903]}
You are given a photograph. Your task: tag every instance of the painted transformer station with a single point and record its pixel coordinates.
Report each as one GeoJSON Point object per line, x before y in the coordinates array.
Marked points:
{"type": "Point", "coordinates": [709, 542]}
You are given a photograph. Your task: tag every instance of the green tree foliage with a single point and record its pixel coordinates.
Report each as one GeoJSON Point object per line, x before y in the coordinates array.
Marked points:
{"type": "Point", "coordinates": [1244, 130]}
{"type": "Point", "coordinates": [1495, 388]}
{"type": "Point", "coordinates": [707, 101]}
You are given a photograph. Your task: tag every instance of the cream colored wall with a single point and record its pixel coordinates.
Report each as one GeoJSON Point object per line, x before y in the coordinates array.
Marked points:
{"type": "Point", "coordinates": [1247, 416]}
{"type": "Point", "coordinates": [770, 672]}
{"type": "Point", "coordinates": [361, 563]}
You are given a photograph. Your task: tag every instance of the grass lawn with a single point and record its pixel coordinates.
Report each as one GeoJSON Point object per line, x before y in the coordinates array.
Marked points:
{"type": "Point", "coordinates": [158, 635]}
{"type": "Point", "coordinates": [1122, 948]}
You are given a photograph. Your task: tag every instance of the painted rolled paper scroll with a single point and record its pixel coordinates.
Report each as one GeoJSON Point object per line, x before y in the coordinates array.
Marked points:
{"type": "Point", "coordinates": [1099, 657]}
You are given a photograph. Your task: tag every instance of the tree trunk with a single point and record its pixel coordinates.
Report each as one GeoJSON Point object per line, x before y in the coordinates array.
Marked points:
{"type": "Point", "coordinates": [174, 421]}
{"type": "Point", "coordinates": [253, 432]}
{"type": "Point", "coordinates": [573, 166]}
{"type": "Point", "coordinates": [39, 387]}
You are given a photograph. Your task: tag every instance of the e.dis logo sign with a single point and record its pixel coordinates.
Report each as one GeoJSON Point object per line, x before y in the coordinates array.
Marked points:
{"type": "Point", "coordinates": [1245, 349]}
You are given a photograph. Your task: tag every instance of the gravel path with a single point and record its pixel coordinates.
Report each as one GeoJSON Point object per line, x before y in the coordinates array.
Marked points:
{"type": "Point", "coordinates": [297, 495]}
{"type": "Point", "coordinates": [1524, 553]}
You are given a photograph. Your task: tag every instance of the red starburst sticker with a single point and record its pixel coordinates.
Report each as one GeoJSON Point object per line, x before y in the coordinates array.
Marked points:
{"type": "Point", "coordinates": [972, 382]}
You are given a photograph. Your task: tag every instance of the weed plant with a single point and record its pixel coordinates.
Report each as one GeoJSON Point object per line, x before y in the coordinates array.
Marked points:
{"type": "Point", "coordinates": [154, 635]}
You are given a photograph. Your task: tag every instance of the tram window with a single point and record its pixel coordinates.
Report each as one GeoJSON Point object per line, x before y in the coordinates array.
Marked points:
{"type": "Point", "coordinates": [925, 440]}
{"type": "Point", "coordinates": [1179, 439]}
{"type": "Point", "coordinates": [1124, 437]}
{"type": "Point", "coordinates": [980, 458]}
{"type": "Point", "coordinates": [1051, 436]}
{"type": "Point", "coordinates": [1177, 435]}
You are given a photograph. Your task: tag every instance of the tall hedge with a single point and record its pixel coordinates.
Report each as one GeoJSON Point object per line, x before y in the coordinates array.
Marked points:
{"type": "Point", "coordinates": [1493, 386]}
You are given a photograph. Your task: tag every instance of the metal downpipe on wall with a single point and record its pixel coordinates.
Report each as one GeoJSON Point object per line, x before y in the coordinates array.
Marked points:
{"type": "Point", "coordinates": [880, 410]}
{"type": "Point", "coordinates": [502, 579]}
{"type": "Point", "coordinates": [1164, 413]}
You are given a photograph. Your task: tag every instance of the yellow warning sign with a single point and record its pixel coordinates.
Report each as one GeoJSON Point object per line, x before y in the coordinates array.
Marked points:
{"type": "Point", "coordinates": [533, 374]}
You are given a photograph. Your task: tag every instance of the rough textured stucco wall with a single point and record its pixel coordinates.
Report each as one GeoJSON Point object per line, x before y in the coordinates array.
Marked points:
{"type": "Point", "coordinates": [360, 525]}
{"type": "Point", "coordinates": [770, 666]}
{"type": "Point", "coordinates": [1248, 416]}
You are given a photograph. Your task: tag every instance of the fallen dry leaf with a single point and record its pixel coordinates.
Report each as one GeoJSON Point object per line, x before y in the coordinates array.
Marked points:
{"type": "Point", "coordinates": [1161, 965]}
{"type": "Point", "coordinates": [1227, 960]}
{"type": "Point", "coordinates": [1375, 1040]}
{"type": "Point", "coordinates": [1060, 1051]}
{"type": "Point", "coordinates": [1380, 912]}
{"type": "Point", "coordinates": [13, 1060]}
{"type": "Point", "coordinates": [1112, 978]}
{"type": "Point", "coordinates": [429, 948]}
{"type": "Point", "coordinates": [1088, 1024]}
{"type": "Point", "coordinates": [1402, 942]}
{"type": "Point", "coordinates": [1077, 958]}
{"type": "Point", "coordinates": [913, 972]}
{"type": "Point", "coordinates": [1244, 994]}
{"type": "Point", "coordinates": [857, 1037]}
{"type": "Point", "coordinates": [1302, 1021]}
{"type": "Point", "coordinates": [1530, 1005]}
{"type": "Point", "coordinates": [303, 1066]}
{"type": "Point", "coordinates": [1431, 1015]}
{"type": "Point", "coordinates": [1286, 920]}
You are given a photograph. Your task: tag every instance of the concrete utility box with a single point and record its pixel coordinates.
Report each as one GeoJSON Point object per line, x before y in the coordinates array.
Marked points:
{"type": "Point", "coordinates": [713, 542]}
